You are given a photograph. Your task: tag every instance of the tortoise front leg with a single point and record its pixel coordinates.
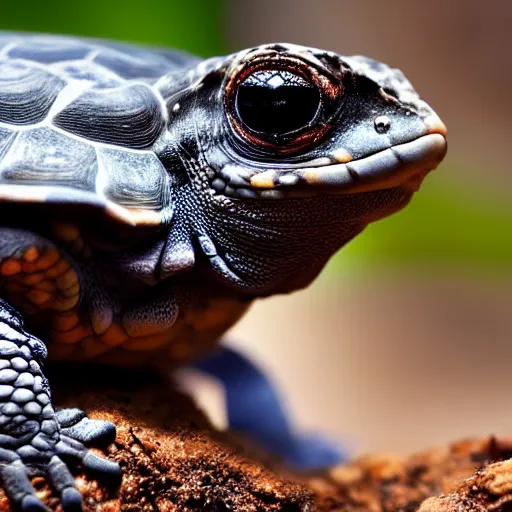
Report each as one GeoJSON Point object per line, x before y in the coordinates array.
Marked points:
{"type": "Point", "coordinates": [33, 438]}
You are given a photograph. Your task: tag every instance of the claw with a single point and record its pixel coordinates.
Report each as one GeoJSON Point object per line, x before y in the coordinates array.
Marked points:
{"type": "Point", "coordinates": [14, 474]}
{"type": "Point", "coordinates": [89, 431]}
{"type": "Point", "coordinates": [32, 503]}
{"type": "Point", "coordinates": [105, 469]}
{"type": "Point", "coordinates": [64, 483]}
{"type": "Point", "coordinates": [71, 500]}
{"type": "Point", "coordinates": [108, 469]}
{"type": "Point", "coordinates": [17, 485]}
{"type": "Point", "coordinates": [69, 417]}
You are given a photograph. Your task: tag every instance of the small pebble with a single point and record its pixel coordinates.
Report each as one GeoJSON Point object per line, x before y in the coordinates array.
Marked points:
{"type": "Point", "coordinates": [48, 412]}
{"type": "Point", "coordinates": [245, 193]}
{"type": "Point", "coordinates": [26, 352]}
{"type": "Point", "coordinates": [40, 443]}
{"type": "Point", "coordinates": [19, 419]}
{"type": "Point", "coordinates": [8, 441]}
{"type": "Point", "coordinates": [28, 451]}
{"type": "Point", "coordinates": [34, 367]}
{"type": "Point", "coordinates": [43, 399]}
{"type": "Point", "coordinates": [49, 427]}
{"type": "Point", "coordinates": [230, 191]}
{"type": "Point", "coordinates": [288, 179]}
{"type": "Point", "coordinates": [7, 455]}
{"type": "Point", "coordinates": [218, 185]}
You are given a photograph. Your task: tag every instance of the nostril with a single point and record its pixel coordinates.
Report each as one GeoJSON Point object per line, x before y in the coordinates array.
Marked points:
{"type": "Point", "coordinates": [382, 124]}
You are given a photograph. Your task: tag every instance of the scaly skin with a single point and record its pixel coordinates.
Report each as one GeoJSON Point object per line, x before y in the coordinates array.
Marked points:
{"type": "Point", "coordinates": [31, 431]}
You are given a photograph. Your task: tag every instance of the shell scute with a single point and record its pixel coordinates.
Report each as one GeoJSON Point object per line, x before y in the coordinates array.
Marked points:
{"type": "Point", "coordinates": [26, 92]}
{"type": "Point", "coordinates": [163, 59]}
{"type": "Point", "coordinates": [44, 156]}
{"type": "Point", "coordinates": [135, 179]}
{"type": "Point", "coordinates": [129, 116]}
{"type": "Point", "coordinates": [46, 52]}
{"type": "Point", "coordinates": [87, 71]}
{"type": "Point", "coordinates": [132, 66]}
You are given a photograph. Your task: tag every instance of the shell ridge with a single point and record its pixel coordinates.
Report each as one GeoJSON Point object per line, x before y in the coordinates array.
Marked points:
{"type": "Point", "coordinates": [73, 90]}
{"type": "Point", "coordinates": [101, 181]}
{"type": "Point", "coordinates": [4, 52]}
{"type": "Point", "coordinates": [36, 65]}
{"type": "Point", "coordinates": [4, 150]}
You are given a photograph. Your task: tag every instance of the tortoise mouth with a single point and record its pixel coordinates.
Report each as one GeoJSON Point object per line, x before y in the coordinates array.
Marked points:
{"type": "Point", "coordinates": [404, 165]}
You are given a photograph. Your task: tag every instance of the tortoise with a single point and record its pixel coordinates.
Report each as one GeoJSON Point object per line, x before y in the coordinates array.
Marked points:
{"type": "Point", "coordinates": [149, 196]}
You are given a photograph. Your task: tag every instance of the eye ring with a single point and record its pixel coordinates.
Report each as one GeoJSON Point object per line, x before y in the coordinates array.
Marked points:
{"type": "Point", "coordinates": [301, 82]}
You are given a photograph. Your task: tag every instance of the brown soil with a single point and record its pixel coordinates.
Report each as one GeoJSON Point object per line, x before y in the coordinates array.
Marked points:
{"type": "Point", "coordinates": [174, 460]}
{"type": "Point", "coordinates": [459, 478]}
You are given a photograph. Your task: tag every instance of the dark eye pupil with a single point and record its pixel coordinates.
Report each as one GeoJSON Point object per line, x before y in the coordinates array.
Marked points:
{"type": "Point", "coordinates": [276, 102]}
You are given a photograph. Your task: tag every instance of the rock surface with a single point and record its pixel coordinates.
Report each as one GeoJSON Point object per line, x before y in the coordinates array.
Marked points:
{"type": "Point", "coordinates": [174, 460]}
{"type": "Point", "coordinates": [459, 478]}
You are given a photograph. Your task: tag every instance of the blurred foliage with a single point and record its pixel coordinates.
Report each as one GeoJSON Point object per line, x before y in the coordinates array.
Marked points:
{"type": "Point", "coordinates": [448, 224]}
{"type": "Point", "coordinates": [193, 25]}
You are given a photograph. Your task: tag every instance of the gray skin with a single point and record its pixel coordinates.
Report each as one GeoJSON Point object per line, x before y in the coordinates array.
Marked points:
{"type": "Point", "coordinates": [164, 212]}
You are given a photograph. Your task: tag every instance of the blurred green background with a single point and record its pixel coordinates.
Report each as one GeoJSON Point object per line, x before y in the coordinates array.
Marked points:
{"type": "Point", "coordinates": [405, 341]}
{"type": "Point", "coordinates": [193, 25]}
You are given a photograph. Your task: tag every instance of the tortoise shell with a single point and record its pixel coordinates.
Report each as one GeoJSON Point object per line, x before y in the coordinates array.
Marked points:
{"type": "Point", "coordinates": [79, 123]}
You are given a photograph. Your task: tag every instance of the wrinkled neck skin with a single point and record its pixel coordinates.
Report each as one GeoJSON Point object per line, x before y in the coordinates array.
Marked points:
{"type": "Point", "coordinates": [261, 248]}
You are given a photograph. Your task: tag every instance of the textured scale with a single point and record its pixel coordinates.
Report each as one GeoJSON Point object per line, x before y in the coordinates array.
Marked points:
{"type": "Point", "coordinates": [128, 116]}
{"type": "Point", "coordinates": [43, 155]}
{"type": "Point", "coordinates": [26, 92]}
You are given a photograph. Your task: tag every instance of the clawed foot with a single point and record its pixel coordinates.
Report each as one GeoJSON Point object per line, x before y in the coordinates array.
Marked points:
{"type": "Point", "coordinates": [58, 444]}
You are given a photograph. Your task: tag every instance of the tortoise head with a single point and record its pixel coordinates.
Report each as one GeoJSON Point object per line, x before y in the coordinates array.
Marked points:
{"type": "Point", "coordinates": [289, 152]}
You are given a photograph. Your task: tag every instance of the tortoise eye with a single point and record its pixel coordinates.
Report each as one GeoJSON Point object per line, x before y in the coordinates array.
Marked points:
{"type": "Point", "coordinates": [275, 102]}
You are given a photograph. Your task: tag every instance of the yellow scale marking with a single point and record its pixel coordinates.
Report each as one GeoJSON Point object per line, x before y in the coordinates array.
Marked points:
{"type": "Point", "coordinates": [65, 321]}
{"type": "Point", "coordinates": [114, 336]}
{"type": "Point", "coordinates": [46, 280]}
{"type": "Point", "coordinates": [10, 267]}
